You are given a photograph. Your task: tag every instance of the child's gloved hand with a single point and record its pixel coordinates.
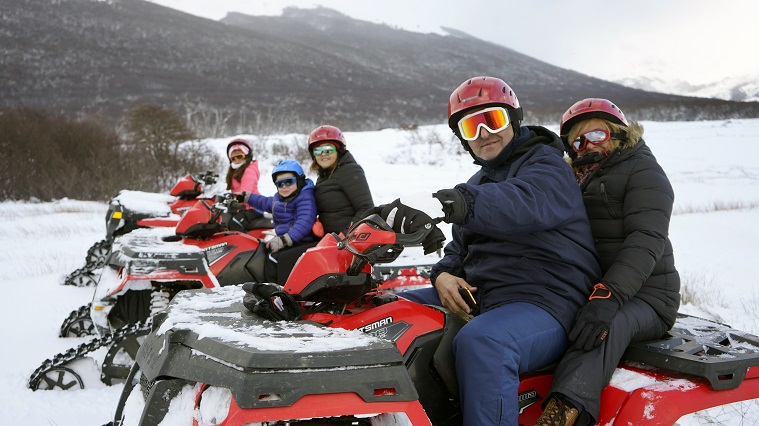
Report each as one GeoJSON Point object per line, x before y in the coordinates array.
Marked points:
{"type": "Point", "coordinates": [278, 243]}
{"type": "Point", "coordinates": [242, 197]}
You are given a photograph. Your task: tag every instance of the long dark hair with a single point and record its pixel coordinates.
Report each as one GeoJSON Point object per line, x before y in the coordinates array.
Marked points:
{"type": "Point", "coordinates": [237, 173]}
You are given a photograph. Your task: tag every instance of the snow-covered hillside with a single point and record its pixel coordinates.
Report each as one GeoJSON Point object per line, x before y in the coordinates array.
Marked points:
{"type": "Point", "coordinates": [712, 165]}
{"type": "Point", "coordinates": [742, 89]}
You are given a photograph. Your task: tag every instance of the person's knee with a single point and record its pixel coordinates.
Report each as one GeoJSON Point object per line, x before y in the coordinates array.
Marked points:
{"type": "Point", "coordinates": [472, 341]}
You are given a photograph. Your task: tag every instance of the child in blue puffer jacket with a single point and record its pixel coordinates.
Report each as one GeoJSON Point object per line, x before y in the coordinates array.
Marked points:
{"type": "Point", "coordinates": [293, 211]}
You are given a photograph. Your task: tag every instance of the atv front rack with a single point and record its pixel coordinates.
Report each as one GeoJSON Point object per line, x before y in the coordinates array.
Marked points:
{"type": "Point", "coordinates": [703, 348]}
{"type": "Point", "coordinates": [145, 251]}
{"type": "Point", "coordinates": [273, 366]}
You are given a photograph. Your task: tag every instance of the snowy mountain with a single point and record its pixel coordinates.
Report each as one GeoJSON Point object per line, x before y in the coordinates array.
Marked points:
{"type": "Point", "coordinates": [742, 89]}
{"type": "Point", "coordinates": [303, 68]}
{"type": "Point", "coordinates": [713, 232]}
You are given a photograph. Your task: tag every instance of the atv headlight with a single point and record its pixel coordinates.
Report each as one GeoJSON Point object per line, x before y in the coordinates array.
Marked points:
{"type": "Point", "coordinates": [213, 405]}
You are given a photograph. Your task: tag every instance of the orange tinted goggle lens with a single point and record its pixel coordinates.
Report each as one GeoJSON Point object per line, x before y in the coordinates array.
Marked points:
{"type": "Point", "coordinates": [494, 119]}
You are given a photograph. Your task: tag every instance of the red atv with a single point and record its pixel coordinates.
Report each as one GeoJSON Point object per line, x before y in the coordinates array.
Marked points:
{"type": "Point", "coordinates": [130, 210]}
{"type": "Point", "coordinates": [352, 355]}
{"type": "Point", "coordinates": [146, 269]}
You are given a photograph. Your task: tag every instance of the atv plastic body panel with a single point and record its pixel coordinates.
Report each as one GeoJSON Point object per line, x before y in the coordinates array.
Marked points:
{"type": "Point", "coordinates": [392, 374]}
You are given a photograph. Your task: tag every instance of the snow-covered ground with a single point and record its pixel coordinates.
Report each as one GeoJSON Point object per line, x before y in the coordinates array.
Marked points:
{"type": "Point", "coordinates": [713, 166]}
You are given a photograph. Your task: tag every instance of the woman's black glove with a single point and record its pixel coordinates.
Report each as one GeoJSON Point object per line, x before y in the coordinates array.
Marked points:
{"type": "Point", "coordinates": [592, 323]}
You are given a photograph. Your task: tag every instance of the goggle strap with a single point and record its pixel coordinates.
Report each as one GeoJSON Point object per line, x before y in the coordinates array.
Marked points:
{"type": "Point", "coordinates": [621, 135]}
{"type": "Point", "coordinates": [515, 114]}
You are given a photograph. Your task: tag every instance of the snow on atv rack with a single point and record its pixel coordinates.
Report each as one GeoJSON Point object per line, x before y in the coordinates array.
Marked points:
{"type": "Point", "coordinates": [703, 348]}
{"type": "Point", "coordinates": [326, 360]}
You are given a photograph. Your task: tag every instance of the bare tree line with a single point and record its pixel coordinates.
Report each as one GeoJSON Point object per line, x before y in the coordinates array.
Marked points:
{"type": "Point", "coordinates": [49, 157]}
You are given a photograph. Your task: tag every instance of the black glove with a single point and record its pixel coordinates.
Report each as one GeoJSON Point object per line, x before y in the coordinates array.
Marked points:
{"type": "Point", "coordinates": [405, 220]}
{"type": "Point", "coordinates": [592, 323]}
{"type": "Point", "coordinates": [402, 218]}
{"type": "Point", "coordinates": [434, 241]}
{"type": "Point", "coordinates": [236, 207]}
{"type": "Point", "coordinates": [454, 205]}
{"type": "Point", "coordinates": [271, 302]}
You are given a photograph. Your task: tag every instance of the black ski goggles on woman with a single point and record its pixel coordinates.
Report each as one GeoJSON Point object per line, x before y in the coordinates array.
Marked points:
{"type": "Point", "coordinates": [596, 137]}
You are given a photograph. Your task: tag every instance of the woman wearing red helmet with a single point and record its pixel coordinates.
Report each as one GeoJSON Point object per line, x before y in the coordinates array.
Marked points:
{"type": "Point", "coordinates": [629, 201]}
{"type": "Point", "coordinates": [521, 245]}
{"type": "Point", "coordinates": [342, 191]}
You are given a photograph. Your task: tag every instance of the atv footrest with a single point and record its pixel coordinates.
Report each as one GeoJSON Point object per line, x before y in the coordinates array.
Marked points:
{"type": "Point", "coordinates": [702, 348]}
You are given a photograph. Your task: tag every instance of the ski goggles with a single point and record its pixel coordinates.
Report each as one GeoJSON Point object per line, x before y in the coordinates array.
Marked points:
{"type": "Point", "coordinates": [596, 137]}
{"type": "Point", "coordinates": [285, 182]}
{"type": "Point", "coordinates": [493, 119]}
{"type": "Point", "coordinates": [324, 149]}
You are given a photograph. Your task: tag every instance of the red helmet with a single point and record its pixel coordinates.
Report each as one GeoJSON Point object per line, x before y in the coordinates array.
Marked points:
{"type": "Point", "coordinates": [482, 91]}
{"type": "Point", "coordinates": [326, 134]}
{"type": "Point", "coordinates": [590, 108]}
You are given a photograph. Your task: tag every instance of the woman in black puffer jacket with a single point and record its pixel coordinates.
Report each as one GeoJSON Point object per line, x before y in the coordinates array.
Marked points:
{"type": "Point", "coordinates": [342, 191]}
{"type": "Point", "coordinates": [629, 199]}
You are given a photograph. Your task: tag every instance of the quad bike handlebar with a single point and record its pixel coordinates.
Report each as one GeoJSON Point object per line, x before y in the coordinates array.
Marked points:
{"type": "Point", "coordinates": [208, 177]}
{"type": "Point", "coordinates": [371, 238]}
{"type": "Point", "coordinates": [227, 203]}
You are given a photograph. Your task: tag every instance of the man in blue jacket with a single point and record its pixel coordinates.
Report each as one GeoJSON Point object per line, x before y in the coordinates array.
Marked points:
{"type": "Point", "coordinates": [521, 245]}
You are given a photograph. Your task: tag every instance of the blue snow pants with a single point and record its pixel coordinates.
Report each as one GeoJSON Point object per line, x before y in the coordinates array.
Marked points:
{"type": "Point", "coordinates": [492, 350]}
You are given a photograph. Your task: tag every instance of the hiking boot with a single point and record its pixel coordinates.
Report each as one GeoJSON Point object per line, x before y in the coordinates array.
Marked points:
{"type": "Point", "coordinates": [558, 413]}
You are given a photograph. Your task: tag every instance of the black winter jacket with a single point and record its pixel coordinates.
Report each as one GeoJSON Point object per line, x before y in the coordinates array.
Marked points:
{"type": "Point", "coordinates": [342, 194]}
{"type": "Point", "coordinates": [629, 201]}
{"type": "Point", "coordinates": [526, 237]}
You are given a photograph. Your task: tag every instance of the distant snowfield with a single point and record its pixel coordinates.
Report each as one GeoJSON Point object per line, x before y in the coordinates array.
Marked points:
{"type": "Point", "coordinates": [709, 163]}
{"type": "Point", "coordinates": [742, 88]}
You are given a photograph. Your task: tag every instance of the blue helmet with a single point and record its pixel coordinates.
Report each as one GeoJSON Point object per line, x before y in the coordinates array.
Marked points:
{"type": "Point", "coordinates": [283, 166]}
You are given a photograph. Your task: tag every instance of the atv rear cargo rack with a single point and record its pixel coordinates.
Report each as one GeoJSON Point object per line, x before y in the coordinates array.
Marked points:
{"type": "Point", "coordinates": [703, 348]}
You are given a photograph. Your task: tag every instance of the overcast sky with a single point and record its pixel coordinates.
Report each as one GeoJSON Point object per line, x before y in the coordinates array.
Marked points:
{"type": "Point", "coordinates": [698, 41]}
